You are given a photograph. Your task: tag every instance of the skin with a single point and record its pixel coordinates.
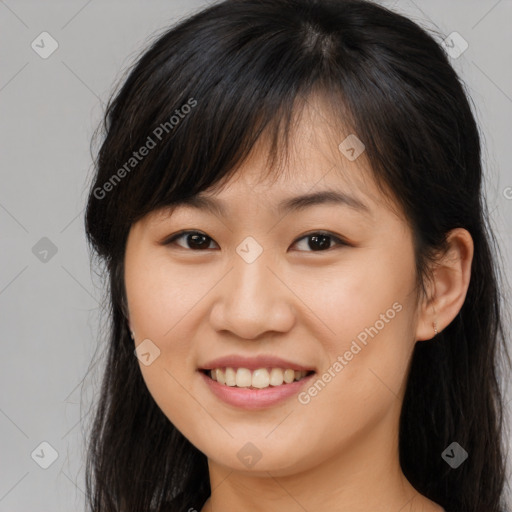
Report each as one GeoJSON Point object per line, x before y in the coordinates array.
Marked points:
{"type": "Point", "coordinates": [339, 452]}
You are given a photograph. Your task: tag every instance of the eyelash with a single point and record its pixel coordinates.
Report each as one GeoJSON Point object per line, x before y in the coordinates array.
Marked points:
{"type": "Point", "coordinates": [339, 241]}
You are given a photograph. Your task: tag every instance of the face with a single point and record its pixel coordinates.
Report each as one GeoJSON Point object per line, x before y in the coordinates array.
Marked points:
{"type": "Point", "coordinates": [327, 289]}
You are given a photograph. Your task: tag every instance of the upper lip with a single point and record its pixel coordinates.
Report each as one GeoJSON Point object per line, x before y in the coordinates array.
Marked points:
{"type": "Point", "coordinates": [253, 363]}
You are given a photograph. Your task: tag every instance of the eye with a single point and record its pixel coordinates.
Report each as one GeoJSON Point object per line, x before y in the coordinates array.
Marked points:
{"type": "Point", "coordinates": [319, 241]}
{"type": "Point", "coordinates": [195, 239]}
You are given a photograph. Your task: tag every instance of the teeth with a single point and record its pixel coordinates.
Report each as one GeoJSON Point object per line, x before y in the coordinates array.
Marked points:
{"type": "Point", "coordinates": [260, 378]}
{"type": "Point", "coordinates": [230, 376]}
{"type": "Point", "coordinates": [276, 377]}
{"type": "Point", "coordinates": [243, 378]}
{"type": "Point", "coordinates": [289, 376]}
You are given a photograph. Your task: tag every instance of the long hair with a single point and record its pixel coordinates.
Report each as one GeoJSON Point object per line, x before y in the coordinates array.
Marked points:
{"type": "Point", "coordinates": [198, 99]}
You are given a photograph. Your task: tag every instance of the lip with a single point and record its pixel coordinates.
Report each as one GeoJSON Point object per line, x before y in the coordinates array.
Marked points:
{"type": "Point", "coordinates": [251, 399]}
{"type": "Point", "coordinates": [253, 363]}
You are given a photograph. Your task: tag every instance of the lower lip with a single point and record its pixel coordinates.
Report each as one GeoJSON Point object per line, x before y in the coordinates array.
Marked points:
{"type": "Point", "coordinates": [247, 398]}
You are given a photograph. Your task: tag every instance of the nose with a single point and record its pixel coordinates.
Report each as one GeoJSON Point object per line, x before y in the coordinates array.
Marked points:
{"type": "Point", "coordinates": [251, 301]}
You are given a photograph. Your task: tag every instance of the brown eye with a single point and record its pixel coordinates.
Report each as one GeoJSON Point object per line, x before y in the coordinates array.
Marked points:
{"type": "Point", "coordinates": [194, 240]}
{"type": "Point", "coordinates": [320, 241]}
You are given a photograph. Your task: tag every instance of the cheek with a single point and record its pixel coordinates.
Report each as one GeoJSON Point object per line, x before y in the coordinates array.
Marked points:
{"type": "Point", "coordinates": [160, 295]}
{"type": "Point", "coordinates": [361, 385]}
{"type": "Point", "coordinates": [369, 310]}
{"type": "Point", "coordinates": [360, 296]}
{"type": "Point", "coordinates": [163, 303]}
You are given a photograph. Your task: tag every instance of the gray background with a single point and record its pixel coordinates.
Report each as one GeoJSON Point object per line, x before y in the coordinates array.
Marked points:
{"type": "Point", "coordinates": [50, 303]}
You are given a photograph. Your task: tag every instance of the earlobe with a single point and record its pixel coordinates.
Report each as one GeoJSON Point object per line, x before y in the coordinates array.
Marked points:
{"type": "Point", "coordinates": [451, 277]}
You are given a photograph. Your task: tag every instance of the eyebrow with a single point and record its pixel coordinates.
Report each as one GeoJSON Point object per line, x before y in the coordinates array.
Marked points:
{"type": "Point", "coordinates": [297, 203]}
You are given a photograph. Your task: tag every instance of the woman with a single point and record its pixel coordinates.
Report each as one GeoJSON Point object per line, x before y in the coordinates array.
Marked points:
{"type": "Point", "coordinates": [305, 312]}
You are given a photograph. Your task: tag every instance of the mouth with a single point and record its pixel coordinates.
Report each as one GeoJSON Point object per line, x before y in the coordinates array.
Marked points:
{"type": "Point", "coordinates": [254, 383]}
{"type": "Point", "coordinates": [259, 378]}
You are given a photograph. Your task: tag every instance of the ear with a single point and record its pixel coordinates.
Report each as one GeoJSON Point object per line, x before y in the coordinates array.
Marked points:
{"type": "Point", "coordinates": [447, 290]}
